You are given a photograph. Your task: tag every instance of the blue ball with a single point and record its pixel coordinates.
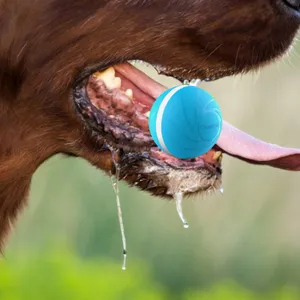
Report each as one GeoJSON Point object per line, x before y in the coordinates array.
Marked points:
{"type": "Point", "coordinates": [185, 121]}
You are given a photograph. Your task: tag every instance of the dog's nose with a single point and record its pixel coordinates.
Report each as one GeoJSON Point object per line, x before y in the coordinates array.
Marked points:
{"type": "Point", "coordinates": [295, 4]}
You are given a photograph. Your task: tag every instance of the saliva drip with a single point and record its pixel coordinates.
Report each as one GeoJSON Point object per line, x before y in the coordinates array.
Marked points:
{"type": "Point", "coordinates": [221, 190]}
{"type": "Point", "coordinates": [193, 82]}
{"type": "Point", "coordinates": [115, 180]}
{"type": "Point", "coordinates": [178, 200]}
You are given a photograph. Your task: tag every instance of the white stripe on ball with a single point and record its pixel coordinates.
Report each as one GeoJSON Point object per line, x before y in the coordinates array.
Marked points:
{"type": "Point", "coordinates": [160, 116]}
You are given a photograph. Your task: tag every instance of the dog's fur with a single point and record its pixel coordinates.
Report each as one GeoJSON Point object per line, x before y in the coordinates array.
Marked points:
{"type": "Point", "coordinates": [46, 44]}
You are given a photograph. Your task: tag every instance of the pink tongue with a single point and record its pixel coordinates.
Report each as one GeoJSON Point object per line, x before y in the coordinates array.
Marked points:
{"type": "Point", "coordinates": [242, 145]}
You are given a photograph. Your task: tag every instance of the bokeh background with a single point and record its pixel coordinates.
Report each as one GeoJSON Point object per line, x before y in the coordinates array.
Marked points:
{"type": "Point", "coordinates": [244, 244]}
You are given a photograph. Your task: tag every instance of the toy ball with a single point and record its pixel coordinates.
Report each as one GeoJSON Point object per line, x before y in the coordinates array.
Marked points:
{"type": "Point", "coordinates": [185, 121]}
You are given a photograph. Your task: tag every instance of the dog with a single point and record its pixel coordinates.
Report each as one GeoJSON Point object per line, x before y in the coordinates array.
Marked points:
{"type": "Point", "coordinates": [67, 85]}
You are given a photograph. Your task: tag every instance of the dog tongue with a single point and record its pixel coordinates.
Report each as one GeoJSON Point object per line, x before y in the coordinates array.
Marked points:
{"type": "Point", "coordinates": [243, 146]}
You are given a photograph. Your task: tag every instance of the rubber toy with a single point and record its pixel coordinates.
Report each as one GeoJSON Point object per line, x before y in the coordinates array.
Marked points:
{"type": "Point", "coordinates": [185, 121]}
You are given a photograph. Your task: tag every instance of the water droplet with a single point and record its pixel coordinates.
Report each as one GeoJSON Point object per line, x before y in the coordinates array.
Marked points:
{"type": "Point", "coordinates": [186, 225]}
{"type": "Point", "coordinates": [178, 200]}
{"type": "Point", "coordinates": [221, 190]}
{"type": "Point", "coordinates": [124, 261]}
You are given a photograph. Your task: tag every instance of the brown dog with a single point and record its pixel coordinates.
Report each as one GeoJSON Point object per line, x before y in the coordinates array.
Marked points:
{"type": "Point", "coordinates": [52, 100]}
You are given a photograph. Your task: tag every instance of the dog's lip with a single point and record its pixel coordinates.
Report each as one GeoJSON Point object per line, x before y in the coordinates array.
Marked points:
{"type": "Point", "coordinates": [286, 7]}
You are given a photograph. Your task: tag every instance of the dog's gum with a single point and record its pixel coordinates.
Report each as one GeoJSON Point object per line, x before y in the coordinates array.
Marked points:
{"type": "Point", "coordinates": [116, 103]}
{"type": "Point", "coordinates": [121, 101]}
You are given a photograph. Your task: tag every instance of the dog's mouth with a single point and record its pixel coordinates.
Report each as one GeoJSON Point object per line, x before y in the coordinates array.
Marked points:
{"type": "Point", "coordinates": [114, 104]}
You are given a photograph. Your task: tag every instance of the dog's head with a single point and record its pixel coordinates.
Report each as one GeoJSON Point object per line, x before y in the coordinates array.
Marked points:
{"type": "Point", "coordinates": [66, 85]}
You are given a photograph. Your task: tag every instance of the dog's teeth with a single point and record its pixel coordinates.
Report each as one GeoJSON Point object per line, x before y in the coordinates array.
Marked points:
{"type": "Point", "coordinates": [217, 155]}
{"type": "Point", "coordinates": [107, 73]}
{"type": "Point", "coordinates": [109, 79]}
{"type": "Point", "coordinates": [110, 71]}
{"type": "Point", "coordinates": [117, 83]}
{"type": "Point", "coordinates": [129, 93]}
{"type": "Point", "coordinates": [147, 114]}
{"type": "Point", "coordinates": [112, 83]}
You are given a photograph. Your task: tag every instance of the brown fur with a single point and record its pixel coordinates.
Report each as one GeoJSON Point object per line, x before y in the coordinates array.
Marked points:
{"type": "Point", "coordinates": [46, 44]}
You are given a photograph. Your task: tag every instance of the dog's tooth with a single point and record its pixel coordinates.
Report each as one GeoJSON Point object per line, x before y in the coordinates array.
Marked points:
{"type": "Point", "coordinates": [147, 114]}
{"type": "Point", "coordinates": [110, 72]}
{"type": "Point", "coordinates": [107, 73]}
{"type": "Point", "coordinates": [96, 74]}
{"type": "Point", "coordinates": [109, 79]}
{"type": "Point", "coordinates": [217, 155]}
{"type": "Point", "coordinates": [113, 83]}
{"type": "Point", "coordinates": [129, 93]}
{"type": "Point", "coordinates": [117, 83]}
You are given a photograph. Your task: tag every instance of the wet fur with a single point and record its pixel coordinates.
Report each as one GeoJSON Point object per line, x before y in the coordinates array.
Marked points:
{"type": "Point", "coordinates": [46, 44]}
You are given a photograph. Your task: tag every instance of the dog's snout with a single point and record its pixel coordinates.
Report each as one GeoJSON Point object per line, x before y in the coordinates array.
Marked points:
{"type": "Point", "coordinates": [295, 4]}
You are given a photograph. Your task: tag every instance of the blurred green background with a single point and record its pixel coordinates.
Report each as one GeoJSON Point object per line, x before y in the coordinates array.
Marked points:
{"type": "Point", "coordinates": [242, 245]}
